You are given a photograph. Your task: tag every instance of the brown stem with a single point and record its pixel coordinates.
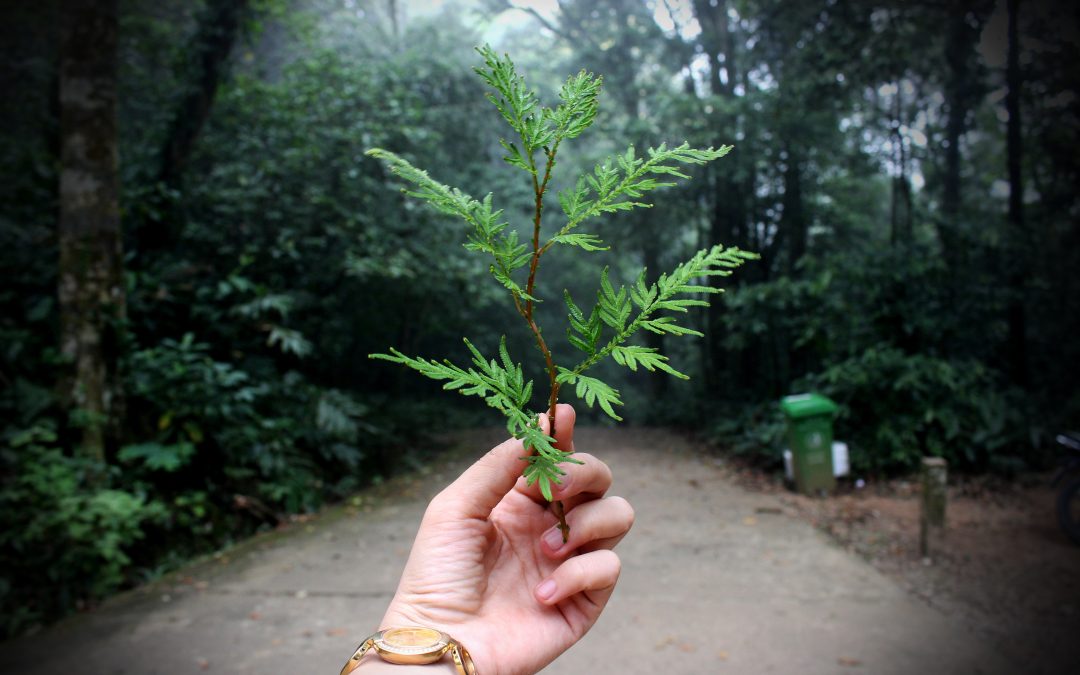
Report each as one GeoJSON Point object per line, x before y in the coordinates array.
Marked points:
{"type": "Point", "coordinates": [560, 513]}
{"type": "Point", "coordinates": [526, 311]}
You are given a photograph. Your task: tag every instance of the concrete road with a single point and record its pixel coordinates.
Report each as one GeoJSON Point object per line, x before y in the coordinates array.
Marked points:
{"type": "Point", "coordinates": [715, 580]}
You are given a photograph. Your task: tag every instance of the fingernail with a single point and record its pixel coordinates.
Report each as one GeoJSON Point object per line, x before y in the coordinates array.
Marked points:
{"type": "Point", "coordinates": [561, 487]}
{"type": "Point", "coordinates": [546, 590]}
{"type": "Point", "coordinates": [553, 538]}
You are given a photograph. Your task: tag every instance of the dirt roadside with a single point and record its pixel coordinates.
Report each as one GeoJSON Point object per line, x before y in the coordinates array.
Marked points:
{"type": "Point", "coordinates": [716, 578]}
{"type": "Point", "coordinates": [1005, 570]}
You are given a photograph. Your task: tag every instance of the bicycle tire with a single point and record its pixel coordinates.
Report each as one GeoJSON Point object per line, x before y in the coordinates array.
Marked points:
{"type": "Point", "coordinates": [1068, 509]}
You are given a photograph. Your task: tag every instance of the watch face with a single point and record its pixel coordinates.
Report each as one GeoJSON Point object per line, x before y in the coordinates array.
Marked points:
{"type": "Point", "coordinates": [413, 640]}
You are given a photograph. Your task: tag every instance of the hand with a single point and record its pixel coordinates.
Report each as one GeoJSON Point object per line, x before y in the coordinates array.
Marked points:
{"type": "Point", "coordinates": [489, 566]}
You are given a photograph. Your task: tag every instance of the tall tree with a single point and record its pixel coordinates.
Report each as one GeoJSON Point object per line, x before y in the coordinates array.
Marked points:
{"type": "Point", "coordinates": [91, 289]}
{"type": "Point", "coordinates": [964, 24]}
{"type": "Point", "coordinates": [1016, 318]}
{"type": "Point", "coordinates": [215, 36]}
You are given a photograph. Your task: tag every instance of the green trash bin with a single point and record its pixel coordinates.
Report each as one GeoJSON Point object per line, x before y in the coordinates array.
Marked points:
{"type": "Point", "coordinates": [809, 435]}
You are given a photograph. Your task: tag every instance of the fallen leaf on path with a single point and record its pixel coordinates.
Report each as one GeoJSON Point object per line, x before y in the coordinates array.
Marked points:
{"type": "Point", "coordinates": [849, 662]}
{"type": "Point", "coordinates": [749, 520]}
{"type": "Point", "coordinates": [722, 655]}
{"type": "Point", "coordinates": [203, 664]}
{"type": "Point", "coordinates": [255, 616]}
{"type": "Point", "coordinates": [666, 642]}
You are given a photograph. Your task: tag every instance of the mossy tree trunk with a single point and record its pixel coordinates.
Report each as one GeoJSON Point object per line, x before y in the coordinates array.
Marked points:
{"type": "Point", "coordinates": [91, 289]}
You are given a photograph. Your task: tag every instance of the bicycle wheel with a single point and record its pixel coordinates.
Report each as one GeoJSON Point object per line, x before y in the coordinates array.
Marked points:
{"type": "Point", "coordinates": [1068, 509]}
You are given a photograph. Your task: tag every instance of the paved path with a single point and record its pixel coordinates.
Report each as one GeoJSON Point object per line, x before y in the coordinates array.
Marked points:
{"type": "Point", "coordinates": [715, 580]}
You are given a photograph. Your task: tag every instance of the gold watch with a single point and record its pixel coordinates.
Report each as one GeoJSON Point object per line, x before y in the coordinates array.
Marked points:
{"type": "Point", "coordinates": [412, 645]}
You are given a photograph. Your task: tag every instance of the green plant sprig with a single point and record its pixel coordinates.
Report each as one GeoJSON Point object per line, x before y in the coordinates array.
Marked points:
{"type": "Point", "coordinates": [615, 185]}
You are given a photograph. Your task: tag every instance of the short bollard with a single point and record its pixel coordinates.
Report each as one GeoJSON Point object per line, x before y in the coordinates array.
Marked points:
{"type": "Point", "coordinates": [934, 474]}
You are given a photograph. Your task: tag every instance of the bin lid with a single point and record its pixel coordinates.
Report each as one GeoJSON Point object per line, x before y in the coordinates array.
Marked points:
{"type": "Point", "coordinates": [807, 405]}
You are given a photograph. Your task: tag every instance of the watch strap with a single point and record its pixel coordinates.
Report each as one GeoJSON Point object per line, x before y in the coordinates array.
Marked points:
{"type": "Point", "coordinates": [462, 659]}
{"type": "Point", "coordinates": [354, 660]}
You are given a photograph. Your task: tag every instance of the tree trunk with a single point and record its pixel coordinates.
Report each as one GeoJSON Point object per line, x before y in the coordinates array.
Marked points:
{"type": "Point", "coordinates": [214, 41]}
{"type": "Point", "coordinates": [1016, 254]}
{"type": "Point", "coordinates": [728, 215]}
{"type": "Point", "coordinates": [91, 288]}
{"type": "Point", "coordinates": [901, 185]}
{"type": "Point", "coordinates": [793, 219]}
{"type": "Point", "coordinates": [215, 37]}
{"type": "Point", "coordinates": [962, 89]}
{"type": "Point", "coordinates": [958, 45]}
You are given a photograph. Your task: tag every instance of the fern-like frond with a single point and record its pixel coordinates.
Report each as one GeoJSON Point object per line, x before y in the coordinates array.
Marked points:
{"type": "Point", "coordinates": [580, 102]}
{"type": "Point", "coordinates": [490, 233]}
{"type": "Point", "coordinates": [591, 390]}
{"type": "Point", "coordinates": [518, 105]}
{"type": "Point", "coordinates": [617, 183]}
{"type": "Point", "coordinates": [501, 385]}
{"type": "Point", "coordinates": [614, 306]}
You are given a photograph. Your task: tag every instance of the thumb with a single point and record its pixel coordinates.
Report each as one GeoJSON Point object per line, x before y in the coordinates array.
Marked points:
{"type": "Point", "coordinates": [483, 485]}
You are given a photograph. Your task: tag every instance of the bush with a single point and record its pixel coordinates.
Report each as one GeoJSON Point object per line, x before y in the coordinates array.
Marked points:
{"type": "Point", "coordinates": [65, 535]}
{"type": "Point", "coordinates": [897, 408]}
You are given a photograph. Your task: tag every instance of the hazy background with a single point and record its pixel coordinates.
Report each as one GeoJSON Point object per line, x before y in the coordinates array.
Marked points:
{"type": "Point", "coordinates": [185, 331]}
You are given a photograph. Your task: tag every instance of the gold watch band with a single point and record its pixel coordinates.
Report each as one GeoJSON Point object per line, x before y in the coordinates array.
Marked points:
{"type": "Point", "coordinates": [462, 659]}
{"type": "Point", "coordinates": [463, 662]}
{"type": "Point", "coordinates": [354, 660]}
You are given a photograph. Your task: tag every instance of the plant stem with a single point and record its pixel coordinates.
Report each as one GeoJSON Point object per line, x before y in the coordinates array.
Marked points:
{"type": "Point", "coordinates": [539, 188]}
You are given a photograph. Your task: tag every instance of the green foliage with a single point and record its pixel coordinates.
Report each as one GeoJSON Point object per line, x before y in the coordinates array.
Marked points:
{"type": "Point", "coordinates": [898, 408]}
{"type": "Point", "coordinates": [613, 186]}
{"type": "Point", "coordinates": [64, 538]}
{"type": "Point", "coordinates": [273, 438]}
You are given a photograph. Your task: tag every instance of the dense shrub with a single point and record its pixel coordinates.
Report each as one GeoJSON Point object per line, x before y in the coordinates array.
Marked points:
{"type": "Point", "coordinates": [65, 534]}
{"type": "Point", "coordinates": [897, 408]}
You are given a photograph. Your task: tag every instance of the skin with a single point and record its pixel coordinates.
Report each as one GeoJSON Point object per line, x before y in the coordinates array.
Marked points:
{"type": "Point", "coordinates": [489, 567]}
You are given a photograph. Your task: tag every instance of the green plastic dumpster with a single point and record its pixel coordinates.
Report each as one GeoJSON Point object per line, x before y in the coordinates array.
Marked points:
{"type": "Point", "coordinates": [809, 435]}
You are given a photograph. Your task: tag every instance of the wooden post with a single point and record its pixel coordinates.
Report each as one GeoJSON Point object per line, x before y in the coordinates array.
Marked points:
{"type": "Point", "coordinates": [933, 476]}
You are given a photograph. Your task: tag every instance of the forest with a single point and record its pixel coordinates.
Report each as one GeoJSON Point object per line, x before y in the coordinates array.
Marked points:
{"type": "Point", "coordinates": [199, 256]}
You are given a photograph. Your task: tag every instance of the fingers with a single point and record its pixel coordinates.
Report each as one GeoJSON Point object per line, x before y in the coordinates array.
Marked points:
{"type": "Point", "coordinates": [582, 482]}
{"type": "Point", "coordinates": [565, 417]}
{"type": "Point", "coordinates": [483, 485]}
{"type": "Point", "coordinates": [593, 574]}
{"type": "Point", "coordinates": [595, 525]}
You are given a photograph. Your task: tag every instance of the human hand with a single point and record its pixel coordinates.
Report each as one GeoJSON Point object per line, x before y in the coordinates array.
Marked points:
{"type": "Point", "coordinates": [489, 566]}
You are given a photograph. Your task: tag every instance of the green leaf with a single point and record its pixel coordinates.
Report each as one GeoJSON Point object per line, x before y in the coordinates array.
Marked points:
{"type": "Point", "coordinates": [517, 104]}
{"type": "Point", "coordinates": [157, 456]}
{"type": "Point", "coordinates": [591, 390]}
{"type": "Point", "coordinates": [580, 102]}
{"type": "Point", "coordinates": [616, 184]}
{"type": "Point", "coordinates": [614, 306]}
{"type": "Point", "coordinates": [588, 242]}
{"type": "Point", "coordinates": [502, 387]}
{"type": "Point", "coordinates": [588, 330]}
{"type": "Point", "coordinates": [631, 356]}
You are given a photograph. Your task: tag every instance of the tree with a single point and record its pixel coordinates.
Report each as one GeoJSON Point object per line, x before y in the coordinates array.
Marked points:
{"type": "Point", "coordinates": [91, 288]}
{"type": "Point", "coordinates": [216, 34]}
{"type": "Point", "coordinates": [1016, 341]}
